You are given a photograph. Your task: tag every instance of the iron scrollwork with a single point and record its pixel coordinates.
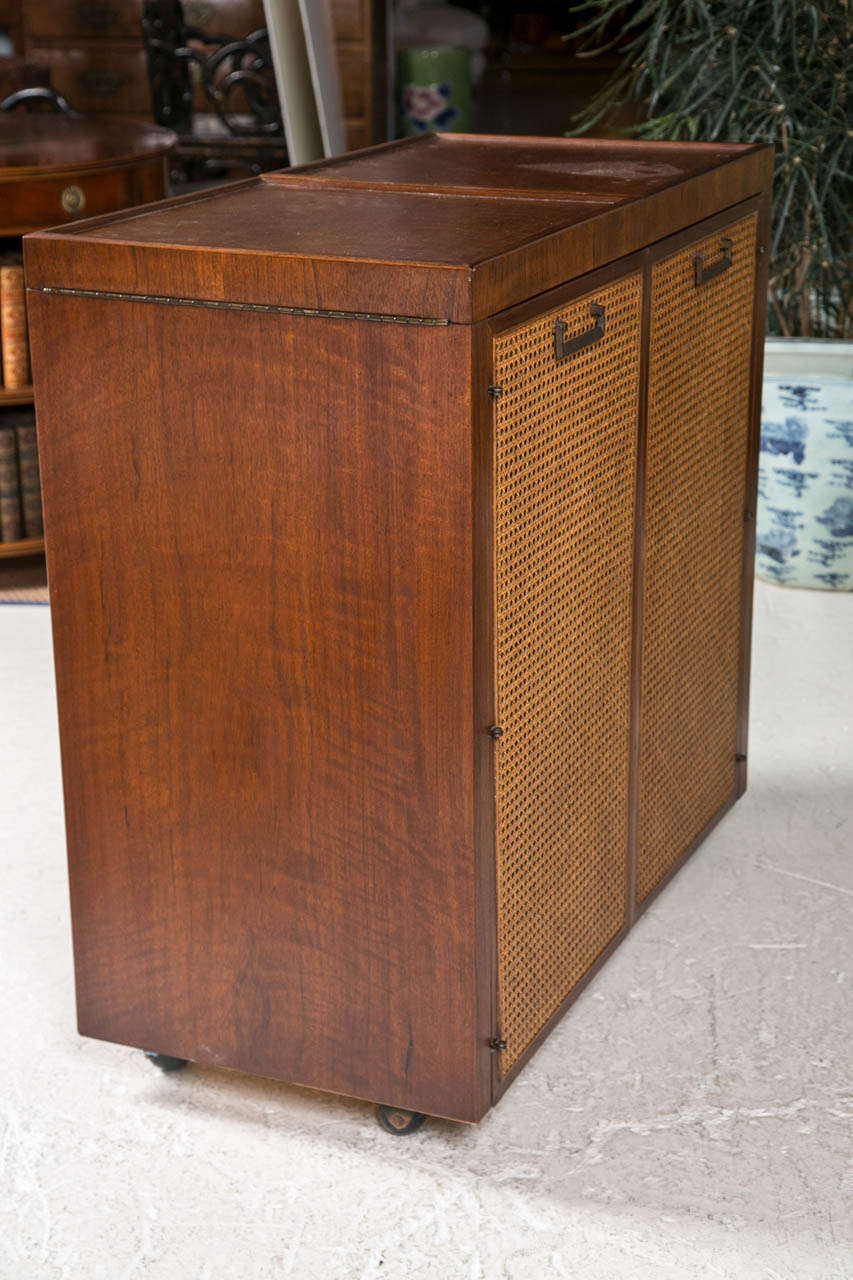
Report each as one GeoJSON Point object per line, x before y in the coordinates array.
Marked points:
{"type": "Point", "coordinates": [235, 76]}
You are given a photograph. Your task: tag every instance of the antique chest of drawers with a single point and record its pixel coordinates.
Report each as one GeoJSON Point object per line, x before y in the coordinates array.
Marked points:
{"type": "Point", "coordinates": [399, 525]}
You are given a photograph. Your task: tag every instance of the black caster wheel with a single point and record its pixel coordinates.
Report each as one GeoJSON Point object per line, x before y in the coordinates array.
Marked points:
{"type": "Point", "coordinates": [164, 1061]}
{"type": "Point", "coordinates": [398, 1121]}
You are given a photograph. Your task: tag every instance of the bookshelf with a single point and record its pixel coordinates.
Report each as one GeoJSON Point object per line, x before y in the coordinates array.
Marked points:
{"type": "Point", "coordinates": [16, 395]}
{"type": "Point", "coordinates": [25, 546]}
{"type": "Point", "coordinates": [28, 550]}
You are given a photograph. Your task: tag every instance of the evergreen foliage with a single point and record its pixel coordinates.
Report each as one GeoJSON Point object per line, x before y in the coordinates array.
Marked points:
{"type": "Point", "coordinates": [751, 71]}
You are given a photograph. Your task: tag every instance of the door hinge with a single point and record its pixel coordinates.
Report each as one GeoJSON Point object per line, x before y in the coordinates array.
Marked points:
{"type": "Point", "coordinates": [495, 391]}
{"type": "Point", "coordinates": [498, 1045]}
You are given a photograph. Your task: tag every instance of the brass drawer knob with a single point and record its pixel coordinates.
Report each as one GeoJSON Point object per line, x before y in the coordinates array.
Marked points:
{"type": "Point", "coordinates": [73, 199]}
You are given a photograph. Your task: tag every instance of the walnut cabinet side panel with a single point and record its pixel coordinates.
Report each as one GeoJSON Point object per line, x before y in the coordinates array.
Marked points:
{"type": "Point", "coordinates": [260, 559]}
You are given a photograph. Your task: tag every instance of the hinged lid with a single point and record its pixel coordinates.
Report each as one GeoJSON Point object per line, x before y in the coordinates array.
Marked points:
{"type": "Point", "coordinates": [448, 228]}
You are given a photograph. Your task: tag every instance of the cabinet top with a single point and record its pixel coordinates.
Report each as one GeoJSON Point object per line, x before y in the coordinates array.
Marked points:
{"type": "Point", "coordinates": [445, 227]}
{"type": "Point", "coordinates": [520, 168]}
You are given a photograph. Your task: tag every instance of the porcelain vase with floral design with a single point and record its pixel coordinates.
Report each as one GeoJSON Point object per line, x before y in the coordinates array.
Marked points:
{"type": "Point", "coordinates": [434, 89]}
{"type": "Point", "coordinates": [805, 479]}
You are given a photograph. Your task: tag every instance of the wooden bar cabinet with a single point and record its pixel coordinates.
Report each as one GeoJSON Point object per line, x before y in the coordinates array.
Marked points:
{"type": "Point", "coordinates": [400, 531]}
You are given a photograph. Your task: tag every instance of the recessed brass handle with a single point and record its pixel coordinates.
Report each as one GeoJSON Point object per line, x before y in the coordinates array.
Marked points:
{"type": "Point", "coordinates": [702, 274]}
{"type": "Point", "coordinates": [563, 348]}
{"type": "Point", "coordinates": [73, 199]}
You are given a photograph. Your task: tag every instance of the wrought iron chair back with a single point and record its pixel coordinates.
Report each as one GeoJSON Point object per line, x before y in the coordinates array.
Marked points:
{"type": "Point", "coordinates": [237, 80]}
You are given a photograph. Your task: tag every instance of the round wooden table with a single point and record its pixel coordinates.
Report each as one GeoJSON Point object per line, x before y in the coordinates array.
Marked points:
{"type": "Point", "coordinates": [55, 168]}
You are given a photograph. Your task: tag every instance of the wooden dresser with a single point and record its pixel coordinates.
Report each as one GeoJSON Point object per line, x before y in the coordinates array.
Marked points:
{"type": "Point", "coordinates": [400, 519]}
{"type": "Point", "coordinates": [96, 57]}
{"type": "Point", "coordinates": [54, 168]}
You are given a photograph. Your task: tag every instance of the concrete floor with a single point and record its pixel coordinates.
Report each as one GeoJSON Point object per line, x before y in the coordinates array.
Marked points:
{"type": "Point", "coordinates": [686, 1119]}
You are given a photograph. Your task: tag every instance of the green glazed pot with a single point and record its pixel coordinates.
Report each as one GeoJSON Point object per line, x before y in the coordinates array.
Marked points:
{"type": "Point", "coordinates": [434, 89]}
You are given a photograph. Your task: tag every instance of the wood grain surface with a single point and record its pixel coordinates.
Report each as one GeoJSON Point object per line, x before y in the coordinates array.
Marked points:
{"type": "Point", "coordinates": [263, 630]}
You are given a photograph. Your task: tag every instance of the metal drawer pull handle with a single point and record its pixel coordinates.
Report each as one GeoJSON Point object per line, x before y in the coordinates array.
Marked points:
{"type": "Point", "coordinates": [703, 274]}
{"type": "Point", "coordinates": [562, 348]}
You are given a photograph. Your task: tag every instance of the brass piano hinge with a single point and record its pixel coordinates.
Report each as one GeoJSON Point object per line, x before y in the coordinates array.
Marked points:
{"type": "Point", "coordinates": [264, 308]}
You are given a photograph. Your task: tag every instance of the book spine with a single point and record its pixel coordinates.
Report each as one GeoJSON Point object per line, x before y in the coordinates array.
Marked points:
{"type": "Point", "coordinates": [28, 464]}
{"type": "Point", "coordinates": [10, 501]}
{"type": "Point", "coordinates": [13, 328]}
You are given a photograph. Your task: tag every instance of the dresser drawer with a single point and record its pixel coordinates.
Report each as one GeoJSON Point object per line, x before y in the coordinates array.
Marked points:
{"type": "Point", "coordinates": [89, 19]}
{"type": "Point", "coordinates": [100, 78]}
{"type": "Point", "coordinates": [121, 19]}
{"type": "Point", "coordinates": [55, 199]}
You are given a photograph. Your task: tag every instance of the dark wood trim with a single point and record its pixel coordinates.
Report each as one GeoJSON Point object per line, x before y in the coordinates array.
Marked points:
{"type": "Point", "coordinates": [637, 628]}
{"type": "Point", "coordinates": [484, 707]}
{"type": "Point", "coordinates": [553, 298]}
{"type": "Point", "coordinates": [753, 452]}
{"type": "Point", "coordinates": [668, 245]}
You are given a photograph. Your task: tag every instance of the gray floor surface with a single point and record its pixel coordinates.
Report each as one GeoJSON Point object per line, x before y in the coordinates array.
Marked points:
{"type": "Point", "coordinates": [686, 1119]}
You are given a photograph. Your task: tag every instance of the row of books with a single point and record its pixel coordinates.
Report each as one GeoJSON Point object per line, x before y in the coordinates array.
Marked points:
{"type": "Point", "coordinates": [14, 346]}
{"type": "Point", "coordinates": [20, 489]}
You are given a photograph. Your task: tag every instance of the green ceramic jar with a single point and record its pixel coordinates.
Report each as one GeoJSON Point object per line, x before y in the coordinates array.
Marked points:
{"type": "Point", "coordinates": [434, 89]}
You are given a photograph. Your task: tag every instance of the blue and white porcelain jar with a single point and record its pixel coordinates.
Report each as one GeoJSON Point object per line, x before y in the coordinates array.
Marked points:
{"type": "Point", "coordinates": [805, 478]}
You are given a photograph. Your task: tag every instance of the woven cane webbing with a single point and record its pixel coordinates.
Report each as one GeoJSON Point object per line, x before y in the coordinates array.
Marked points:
{"type": "Point", "coordinates": [565, 439]}
{"type": "Point", "coordinates": [699, 380]}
